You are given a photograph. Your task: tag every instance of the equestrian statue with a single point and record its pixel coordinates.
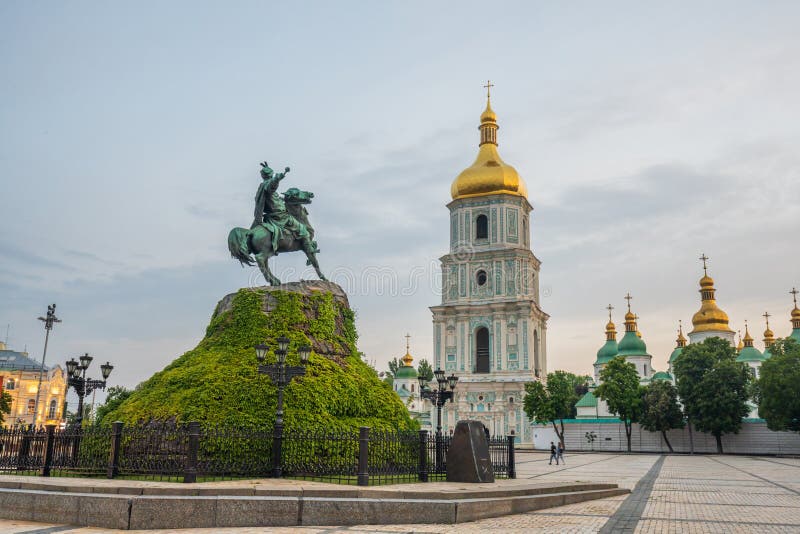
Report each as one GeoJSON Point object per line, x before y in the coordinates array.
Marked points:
{"type": "Point", "coordinates": [280, 224]}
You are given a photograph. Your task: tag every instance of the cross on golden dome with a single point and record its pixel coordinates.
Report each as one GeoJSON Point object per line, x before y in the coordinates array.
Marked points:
{"type": "Point", "coordinates": [767, 316]}
{"type": "Point", "coordinates": [488, 87]}
{"type": "Point", "coordinates": [794, 293]}
{"type": "Point", "coordinates": [628, 297]}
{"type": "Point", "coordinates": [609, 308]}
{"type": "Point", "coordinates": [704, 258]}
{"type": "Point", "coordinates": [408, 337]}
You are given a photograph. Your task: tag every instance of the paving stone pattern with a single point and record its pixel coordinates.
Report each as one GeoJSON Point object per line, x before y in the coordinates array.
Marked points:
{"type": "Point", "coordinates": [689, 494]}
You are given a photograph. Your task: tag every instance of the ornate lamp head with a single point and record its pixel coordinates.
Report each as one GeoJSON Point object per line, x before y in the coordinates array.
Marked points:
{"type": "Point", "coordinates": [283, 343]}
{"type": "Point", "coordinates": [305, 353]}
{"type": "Point", "coordinates": [261, 352]}
{"type": "Point", "coordinates": [439, 374]}
{"type": "Point", "coordinates": [423, 382]}
{"type": "Point", "coordinates": [72, 365]}
{"type": "Point", "coordinates": [105, 370]}
{"type": "Point", "coordinates": [86, 360]}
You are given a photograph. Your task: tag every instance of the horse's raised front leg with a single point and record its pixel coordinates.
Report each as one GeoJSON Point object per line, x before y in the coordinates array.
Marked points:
{"type": "Point", "coordinates": [264, 266]}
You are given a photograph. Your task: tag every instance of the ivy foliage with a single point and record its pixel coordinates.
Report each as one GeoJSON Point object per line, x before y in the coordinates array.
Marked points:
{"type": "Point", "coordinates": [218, 384]}
{"type": "Point", "coordinates": [5, 405]}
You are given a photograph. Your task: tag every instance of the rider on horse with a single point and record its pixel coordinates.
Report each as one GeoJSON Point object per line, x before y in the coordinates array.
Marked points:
{"type": "Point", "coordinates": [271, 212]}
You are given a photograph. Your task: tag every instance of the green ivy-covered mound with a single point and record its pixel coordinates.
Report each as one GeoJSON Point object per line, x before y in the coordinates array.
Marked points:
{"type": "Point", "coordinates": [217, 383]}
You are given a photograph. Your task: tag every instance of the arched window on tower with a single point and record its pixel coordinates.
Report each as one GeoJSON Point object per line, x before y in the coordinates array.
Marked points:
{"type": "Point", "coordinates": [537, 368]}
{"type": "Point", "coordinates": [51, 412]}
{"type": "Point", "coordinates": [482, 350]}
{"type": "Point", "coordinates": [482, 227]}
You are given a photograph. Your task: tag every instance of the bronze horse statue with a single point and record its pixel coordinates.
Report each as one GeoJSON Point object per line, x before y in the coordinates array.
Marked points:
{"type": "Point", "coordinates": [260, 240]}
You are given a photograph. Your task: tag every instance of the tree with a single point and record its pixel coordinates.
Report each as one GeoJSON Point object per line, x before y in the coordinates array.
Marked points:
{"type": "Point", "coordinates": [5, 405]}
{"type": "Point", "coordinates": [660, 410]}
{"type": "Point", "coordinates": [779, 386]}
{"type": "Point", "coordinates": [621, 390]}
{"type": "Point", "coordinates": [394, 364]}
{"type": "Point", "coordinates": [115, 396]}
{"type": "Point", "coordinates": [425, 370]}
{"type": "Point", "coordinates": [713, 387]}
{"type": "Point", "coordinates": [553, 402]}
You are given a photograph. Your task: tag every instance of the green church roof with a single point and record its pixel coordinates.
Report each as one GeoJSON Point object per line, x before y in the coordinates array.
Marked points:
{"type": "Point", "coordinates": [675, 354]}
{"type": "Point", "coordinates": [750, 354]}
{"type": "Point", "coordinates": [606, 352]}
{"type": "Point", "coordinates": [662, 375]}
{"type": "Point", "coordinates": [795, 334]}
{"type": "Point", "coordinates": [406, 372]}
{"type": "Point", "coordinates": [587, 401]}
{"type": "Point", "coordinates": [632, 345]}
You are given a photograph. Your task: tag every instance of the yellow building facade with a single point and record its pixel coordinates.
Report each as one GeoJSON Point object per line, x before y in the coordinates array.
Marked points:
{"type": "Point", "coordinates": [19, 376]}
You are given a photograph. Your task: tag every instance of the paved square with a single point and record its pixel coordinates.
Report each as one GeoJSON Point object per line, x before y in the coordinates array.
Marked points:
{"type": "Point", "coordinates": [670, 494]}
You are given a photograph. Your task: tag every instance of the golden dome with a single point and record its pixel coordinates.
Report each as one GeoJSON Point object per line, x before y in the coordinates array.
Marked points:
{"type": "Point", "coordinates": [748, 339]}
{"type": "Point", "coordinates": [796, 313]}
{"type": "Point", "coordinates": [709, 317]}
{"type": "Point", "coordinates": [681, 340]}
{"type": "Point", "coordinates": [488, 174]}
{"type": "Point", "coordinates": [611, 327]}
{"type": "Point", "coordinates": [407, 359]}
{"type": "Point", "coordinates": [630, 317]}
{"type": "Point", "coordinates": [740, 346]}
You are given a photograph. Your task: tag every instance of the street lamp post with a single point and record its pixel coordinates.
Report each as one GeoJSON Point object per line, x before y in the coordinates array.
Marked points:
{"type": "Point", "coordinates": [76, 370]}
{"type": "Point", "coordinates": [280, 374]}
{"type": "Point", "coordinates": [49, 321]}
{"type": "Point", "coordinates": [438, 397]}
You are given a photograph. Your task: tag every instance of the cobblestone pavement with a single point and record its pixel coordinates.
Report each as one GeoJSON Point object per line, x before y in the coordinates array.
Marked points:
{"type": "Point", "coordinates": [670, 494]}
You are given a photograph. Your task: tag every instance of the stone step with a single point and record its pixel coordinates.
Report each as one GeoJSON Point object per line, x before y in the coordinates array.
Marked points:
{"type": "Point", "coordinates": [123, 511]}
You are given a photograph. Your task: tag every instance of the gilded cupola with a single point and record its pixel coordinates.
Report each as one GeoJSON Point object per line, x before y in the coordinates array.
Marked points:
{"type": "Point", "coordinates": [795, 317]}
{"type": "Point", "coordinates": [406, 369]}
{"type": "Point", "coordinates": [769, 335]}
{"type": "Point", "coordinates": [609, 349]}
{"type": "Point", "coordinates": [709, 317]}
{"type": "Point", "coordinates": [631, 344]}
{"type": "Point", "coordinates": [489, 174]}
{"type": "Point", "coordinates": [680, 343]}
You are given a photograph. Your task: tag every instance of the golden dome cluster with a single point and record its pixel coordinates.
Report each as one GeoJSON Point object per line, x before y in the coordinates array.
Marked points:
{"type": "Point", "coordinates": [488, 174]}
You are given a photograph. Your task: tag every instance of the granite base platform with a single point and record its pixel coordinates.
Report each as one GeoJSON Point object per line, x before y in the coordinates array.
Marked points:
{"type": "Point", "coordinates": [137, 505]}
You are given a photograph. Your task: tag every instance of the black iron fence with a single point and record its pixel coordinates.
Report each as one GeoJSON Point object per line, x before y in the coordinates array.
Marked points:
{"type": "Point", "coordinates": [189, 453]}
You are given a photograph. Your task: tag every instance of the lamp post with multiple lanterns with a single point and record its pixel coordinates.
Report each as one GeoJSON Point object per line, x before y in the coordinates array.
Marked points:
{"type": "Point", "coordinates": [76, 370]}
{"type": "Point", "coordinates": [281, 374]}
{"type": "Point", "coordinates": [438, 397]}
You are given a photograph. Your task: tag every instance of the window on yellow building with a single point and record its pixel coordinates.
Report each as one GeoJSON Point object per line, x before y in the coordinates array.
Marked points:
{"type": "Point", "coordinates": [11, 384]}
{"type": "Point", "coordinates": [51, 413]}
{"type": "Point", "coordinates": [31, 406]}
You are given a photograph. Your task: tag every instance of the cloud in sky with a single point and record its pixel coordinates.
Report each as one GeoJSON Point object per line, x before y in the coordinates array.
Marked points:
{"type": "Point", "coordinates": [647, 134]}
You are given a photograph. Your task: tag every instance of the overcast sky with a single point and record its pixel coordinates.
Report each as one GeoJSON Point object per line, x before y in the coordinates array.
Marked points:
{"type": "Point", "coordinates": [647, 134]}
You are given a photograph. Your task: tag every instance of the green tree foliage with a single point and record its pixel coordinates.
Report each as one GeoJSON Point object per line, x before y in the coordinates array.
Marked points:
{"type": "Point", "coordinates": [621, 390]}
{"type": "Point", "coordinates": [713, 387]}
{"type": "Point", "coordinates": [554, 402]}
{"type": "Point", "coordinates": [115, 396]}
{"type": "Point", "coordinates": [217, 383]}
{"type": "Point", "coordinates": [424, 369]}
{"type": "Point", "coordinates": [779, 386]}
{"type": "Point", "coordinates": [5, 405]}
{"type": "Point", "coordinates": [660, 410]}
{"type": "Point", "coordinates": [394, 364]}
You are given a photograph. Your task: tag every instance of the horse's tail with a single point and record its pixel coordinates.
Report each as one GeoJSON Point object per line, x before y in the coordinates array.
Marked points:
{"type": "Point", "coordinates": [237, 245]}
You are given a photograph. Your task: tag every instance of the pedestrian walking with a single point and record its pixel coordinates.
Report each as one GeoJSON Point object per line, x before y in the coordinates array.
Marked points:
{"type": "Point", "coordinates": [560, 455]}
{"type": "Point", "coordinates": [553, 453]}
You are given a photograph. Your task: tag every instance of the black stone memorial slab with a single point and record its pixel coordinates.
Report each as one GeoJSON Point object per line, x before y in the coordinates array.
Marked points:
{"type": "Point", "coordinates": [468, 457]}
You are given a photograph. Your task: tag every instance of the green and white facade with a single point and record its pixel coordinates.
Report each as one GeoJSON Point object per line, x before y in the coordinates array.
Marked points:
{"type": "Point", "coordinates": [490, 329]}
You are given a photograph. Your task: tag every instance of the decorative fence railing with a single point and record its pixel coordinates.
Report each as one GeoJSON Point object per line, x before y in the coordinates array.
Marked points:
{"type": "Point", "coordinates": [188, 453]}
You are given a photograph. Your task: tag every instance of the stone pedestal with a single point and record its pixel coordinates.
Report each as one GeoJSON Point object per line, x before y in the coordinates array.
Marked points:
{"type": "Point", "coordinates": [468, 457]}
